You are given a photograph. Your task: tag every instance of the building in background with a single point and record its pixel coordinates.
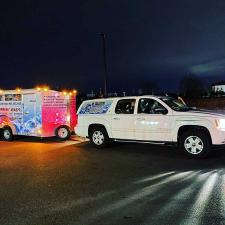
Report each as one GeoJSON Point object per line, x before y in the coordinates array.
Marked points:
{"type": "Point", "coordinates": [218, 87]}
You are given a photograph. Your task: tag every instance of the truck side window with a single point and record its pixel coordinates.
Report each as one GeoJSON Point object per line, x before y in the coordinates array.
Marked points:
{"type": "Point", "coordinates": [150, 106]}
{"type": "Point", "coordinates": [125, 106]}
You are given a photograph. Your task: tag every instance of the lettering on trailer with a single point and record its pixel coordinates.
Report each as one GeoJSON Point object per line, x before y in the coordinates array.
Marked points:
{"type": "Point", "coordinates": [54, 101]}
{"type": "Point", "coordinates": [11, 107]}
{"type": "Point", "coordinates": [54, 111]}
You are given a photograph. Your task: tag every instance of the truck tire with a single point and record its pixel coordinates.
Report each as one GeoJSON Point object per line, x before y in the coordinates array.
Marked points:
{"type": "Point", "coordinates": [63, 133]}
{"type": "Point", "coordinates": [99, 137]}
{"type": "Point", "coordinates": [195, 143]}
{"type": "Point", "coordinates": [7, 134]}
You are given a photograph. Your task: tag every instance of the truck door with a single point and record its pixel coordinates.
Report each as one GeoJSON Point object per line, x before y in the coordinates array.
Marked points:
{"type": "Point", "coordinates": [123, 119]}
{"type": "Point", "coordinates": [29, 114]}
{"type": "Point", "coordinates": [152, 122]}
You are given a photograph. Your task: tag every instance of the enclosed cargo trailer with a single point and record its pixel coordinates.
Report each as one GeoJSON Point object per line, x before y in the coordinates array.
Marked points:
{"type": "Point", "coordinates": [37, 112]}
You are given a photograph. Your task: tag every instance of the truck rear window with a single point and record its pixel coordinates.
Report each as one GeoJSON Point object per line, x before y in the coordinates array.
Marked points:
{"type": "Point", "coordinates": [125, 106]}
{"type": "Point", "coordinates": [98, 107]}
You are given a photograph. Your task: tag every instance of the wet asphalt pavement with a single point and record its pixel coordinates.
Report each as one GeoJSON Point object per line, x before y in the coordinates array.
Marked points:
{"type": "Point", "coordinates": [45, 182]}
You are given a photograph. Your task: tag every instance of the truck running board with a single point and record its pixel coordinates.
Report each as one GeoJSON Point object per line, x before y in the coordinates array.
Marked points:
{"type": "Point", "coordinates": [137, 141]}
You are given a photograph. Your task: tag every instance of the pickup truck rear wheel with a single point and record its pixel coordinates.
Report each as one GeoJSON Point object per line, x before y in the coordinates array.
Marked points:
{"type": "Point", "coordinates": [196, 144]}
{"type": "Point", "coordinates": [99, 137]}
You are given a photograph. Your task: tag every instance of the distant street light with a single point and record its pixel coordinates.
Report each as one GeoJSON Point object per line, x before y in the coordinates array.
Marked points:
{"type": "Point", "coordinates": [103, 35]}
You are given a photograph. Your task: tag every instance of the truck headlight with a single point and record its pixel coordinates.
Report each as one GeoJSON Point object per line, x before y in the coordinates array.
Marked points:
{"type": "Point", "coordinates": [220, 124]}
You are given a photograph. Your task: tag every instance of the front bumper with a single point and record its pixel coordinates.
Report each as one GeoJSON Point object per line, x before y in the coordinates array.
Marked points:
{"type": "Point", "coordinates": [218, 137]}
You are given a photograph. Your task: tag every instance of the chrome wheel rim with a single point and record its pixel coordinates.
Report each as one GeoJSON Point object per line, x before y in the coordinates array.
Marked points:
{"type": "Point", "coordinates": [7, 134]}
{"type": "Point", "coordinates": [62, 132]}
{"type": "Point", "coordinates": [193, 144]}
{"type": "Point", "coordinates": [98, 137]}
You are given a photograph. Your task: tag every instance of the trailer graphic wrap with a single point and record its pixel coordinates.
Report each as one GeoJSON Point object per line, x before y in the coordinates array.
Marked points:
{"type": "Point", "coordinates": [22, 112]}
{"type": "Point", "coordinates": [12, 108]}
{"type": "Point", "coordinates": [98, 107]}
{"type": "Point", "coordinates": [37, 113]}
{"type": "Point", "coordinates": [54, 111]}
{"type": "Point", "coordinates": [32, 118]}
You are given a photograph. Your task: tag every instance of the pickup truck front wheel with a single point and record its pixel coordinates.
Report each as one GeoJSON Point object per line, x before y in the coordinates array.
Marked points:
{"type": "Point", "coordinates": [196, 144]}
{"type": "Point", "coordinates": [99, 137]}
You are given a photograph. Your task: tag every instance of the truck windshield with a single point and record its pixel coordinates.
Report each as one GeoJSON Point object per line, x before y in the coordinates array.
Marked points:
{"type": "Point", "coordinates": [175, 104]}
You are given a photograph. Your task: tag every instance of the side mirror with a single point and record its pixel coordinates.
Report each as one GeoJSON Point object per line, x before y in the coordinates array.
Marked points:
{"type": "Point", "coordinates": [161, 110]}
{"type": "Point", "coordinates": [118, 111]}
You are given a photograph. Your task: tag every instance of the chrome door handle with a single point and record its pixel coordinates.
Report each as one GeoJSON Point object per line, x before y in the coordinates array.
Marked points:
{"type": "Point", "coordinates": [140, 119]}
{"type": "Point", "coordinates": [116, 118]}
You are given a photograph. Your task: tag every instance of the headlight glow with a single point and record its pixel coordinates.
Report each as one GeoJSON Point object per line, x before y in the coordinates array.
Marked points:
{"type": "Point", "coordinates": [220, 124]}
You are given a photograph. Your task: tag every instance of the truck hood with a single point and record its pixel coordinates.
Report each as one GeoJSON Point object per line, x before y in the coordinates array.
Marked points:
{"type": "Point", "coordinates": [205, 113]}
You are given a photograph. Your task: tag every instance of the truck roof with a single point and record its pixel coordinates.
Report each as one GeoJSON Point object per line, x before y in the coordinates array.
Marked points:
{"type": "Point", "coordinates": [125, 97]}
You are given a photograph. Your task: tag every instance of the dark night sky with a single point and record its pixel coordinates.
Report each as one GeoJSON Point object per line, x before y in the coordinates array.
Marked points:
{"type": "Point", "coordinates": [57, 42]}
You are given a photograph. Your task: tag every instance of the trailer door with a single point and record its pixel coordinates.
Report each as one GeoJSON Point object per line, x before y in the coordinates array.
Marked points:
{"type": "Point", "coordinates": [29, 114]}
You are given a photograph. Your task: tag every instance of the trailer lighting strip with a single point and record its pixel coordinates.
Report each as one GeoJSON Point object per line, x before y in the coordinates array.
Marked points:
{"type": "Point", "coordinates": [45, 88]}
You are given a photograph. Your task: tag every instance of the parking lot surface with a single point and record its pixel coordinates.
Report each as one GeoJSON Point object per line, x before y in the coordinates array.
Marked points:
{"type": "Point", "coordinates": [47, 182]}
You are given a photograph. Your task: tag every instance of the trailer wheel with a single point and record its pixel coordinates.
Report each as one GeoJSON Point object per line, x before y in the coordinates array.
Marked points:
{"type": "Point", "coordinates": [63, 133]}
{"type": "Point", "coordinates": [7, 134]}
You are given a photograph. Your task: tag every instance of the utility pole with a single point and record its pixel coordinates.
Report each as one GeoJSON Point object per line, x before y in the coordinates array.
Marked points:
{"type": "Point", "coordinates": [103, 35]}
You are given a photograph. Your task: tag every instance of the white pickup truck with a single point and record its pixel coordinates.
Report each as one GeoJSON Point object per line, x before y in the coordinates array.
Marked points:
{"type": "Point", "coordinates": [150, 119]}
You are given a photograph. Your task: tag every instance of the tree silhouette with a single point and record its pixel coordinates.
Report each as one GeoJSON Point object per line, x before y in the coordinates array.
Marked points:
{"type": "Point", "coordinates": [191, 86]}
